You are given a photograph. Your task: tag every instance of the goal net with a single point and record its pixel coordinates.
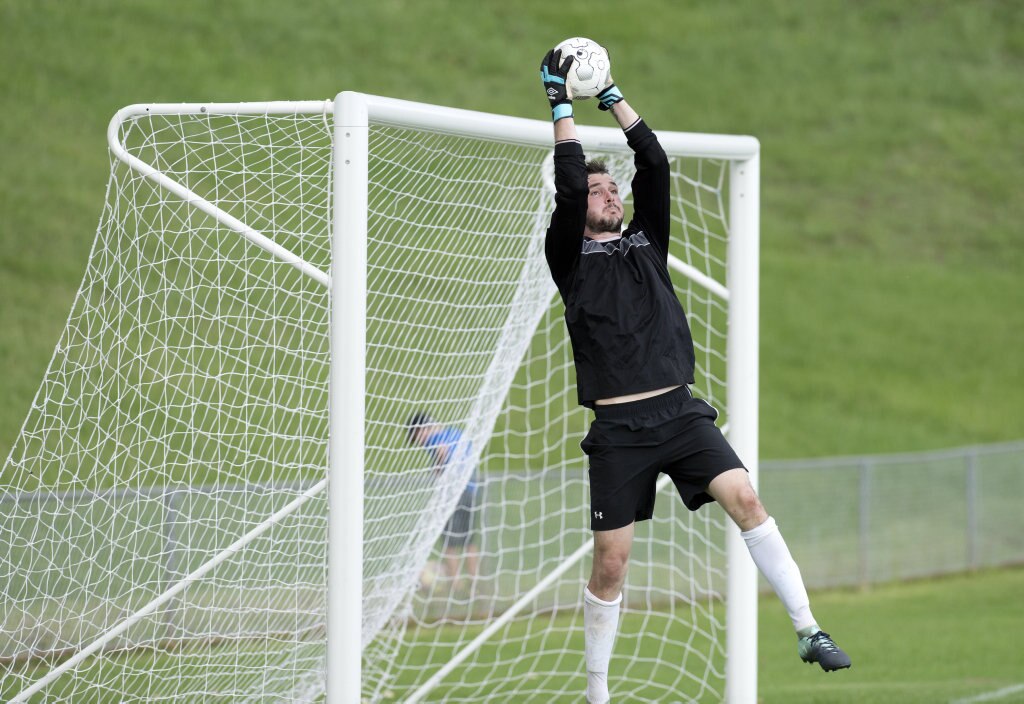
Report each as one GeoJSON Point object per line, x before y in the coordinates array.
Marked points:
{"type": "Point", "coordinates": [164, 514]}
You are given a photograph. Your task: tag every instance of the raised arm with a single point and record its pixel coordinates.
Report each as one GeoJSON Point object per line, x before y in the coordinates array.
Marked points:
{"type": "Point", "coordinates": [651, 184]}
{"type": "Point", "coordinates": [623, 114]}
{"type": "Point", "coordinates": [565, 234]}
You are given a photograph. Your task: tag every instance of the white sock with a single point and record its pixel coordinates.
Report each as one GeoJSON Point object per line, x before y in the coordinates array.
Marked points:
{"type": "Point", "coordinates": [600, 624]}
{"type": "Point", "coordinates": [773, 559]}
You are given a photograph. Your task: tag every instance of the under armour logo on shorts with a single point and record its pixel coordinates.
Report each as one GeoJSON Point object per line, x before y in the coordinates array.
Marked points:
{"type": "Point", "coordinates": [598, 515]}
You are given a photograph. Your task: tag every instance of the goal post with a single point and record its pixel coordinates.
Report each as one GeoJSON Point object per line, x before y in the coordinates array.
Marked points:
{"type": "Point", "coordinates": [347, 406]}
{"type": "Point", "coordinates": [214, 495]}
{"type": "Point", "coordinates": [742, 350]}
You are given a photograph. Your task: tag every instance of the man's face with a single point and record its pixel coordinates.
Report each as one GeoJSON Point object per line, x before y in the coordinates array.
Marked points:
{"type": "Point", "coordinates": [604, 207]}
{"type": "Point", "coordinates": [420, 435]}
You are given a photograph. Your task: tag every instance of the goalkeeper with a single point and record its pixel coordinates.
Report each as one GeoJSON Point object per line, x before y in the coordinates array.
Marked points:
{"type": "Point", "coordinates": [634, 361]}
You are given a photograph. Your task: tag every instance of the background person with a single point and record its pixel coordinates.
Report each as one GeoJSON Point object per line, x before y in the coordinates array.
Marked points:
{"type": "Point", "coordinates": [445, 444]}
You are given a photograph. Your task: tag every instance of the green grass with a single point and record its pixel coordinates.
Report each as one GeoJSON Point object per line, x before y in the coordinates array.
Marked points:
{"type": "Point", "coordinates": [890, 167]}
{"type": "Point", "coordinates": [922, 642]}
{"type": "Point", "coordinates": [917, 643]}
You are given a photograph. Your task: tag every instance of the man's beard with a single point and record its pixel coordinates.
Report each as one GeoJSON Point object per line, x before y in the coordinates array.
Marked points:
{"type": "Point", "coordinates": [598, 223]}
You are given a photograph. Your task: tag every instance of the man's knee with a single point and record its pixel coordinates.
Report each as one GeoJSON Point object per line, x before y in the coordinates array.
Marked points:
{"type": "Point", "coordinates": [736, 495]}
{"type": "Point", "coordinates": [609, 574]}
{"type": "Point", "coordinates": [747, 500]}
{"type": "Point", "coordinates": [611, 563]}
{"type": "Point", "coordinates": [611, 559]}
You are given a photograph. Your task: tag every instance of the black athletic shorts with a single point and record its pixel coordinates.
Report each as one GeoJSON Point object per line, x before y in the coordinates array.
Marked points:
{"type": "Point", "coordinates": [630, 444]}
{"type": "Point", "coordinates": [460, 527]}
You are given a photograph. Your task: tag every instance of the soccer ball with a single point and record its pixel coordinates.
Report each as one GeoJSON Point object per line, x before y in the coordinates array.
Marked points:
{"type": "Point", "coordinates": [590, 69]}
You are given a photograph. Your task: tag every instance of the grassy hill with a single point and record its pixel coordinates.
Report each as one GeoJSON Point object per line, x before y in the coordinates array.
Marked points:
{"type": "Point", "coordinates": [892, 313]}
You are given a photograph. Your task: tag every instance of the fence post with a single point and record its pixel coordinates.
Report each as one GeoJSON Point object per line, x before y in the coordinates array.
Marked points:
{"type": "Point", "coordinates": [171, 568]}
{"type": "Point", "coordinates": [864, 522]}
{"type": "Point", "coordinates": [972, 509]}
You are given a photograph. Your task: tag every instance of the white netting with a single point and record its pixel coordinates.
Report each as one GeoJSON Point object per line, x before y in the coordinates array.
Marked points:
{"type": "Point", "coordinates": [187, 402]}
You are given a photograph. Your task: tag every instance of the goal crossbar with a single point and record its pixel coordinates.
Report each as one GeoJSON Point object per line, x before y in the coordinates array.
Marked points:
{"type": "Point", "coordinates": [390, 111]}
{"type": "Point", "coordinates": [194, 199]}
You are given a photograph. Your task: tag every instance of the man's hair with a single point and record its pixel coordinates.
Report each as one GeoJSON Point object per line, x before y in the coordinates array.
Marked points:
{"type": "Point", "coordinates": [597, 166]}
{"type": "Point", "coordinates": [417, 420]}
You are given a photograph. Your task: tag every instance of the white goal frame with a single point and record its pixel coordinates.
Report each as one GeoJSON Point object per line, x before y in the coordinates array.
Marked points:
{"type": "Point", "coordinates": [354, 112]}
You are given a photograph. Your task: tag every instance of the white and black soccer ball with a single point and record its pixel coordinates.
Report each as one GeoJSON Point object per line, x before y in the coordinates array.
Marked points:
{"type": "Point", "coordinates": [590, 69]}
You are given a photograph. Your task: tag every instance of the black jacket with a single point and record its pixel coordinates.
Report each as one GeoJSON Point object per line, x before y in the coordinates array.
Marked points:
{"type": "Point", "coordinates": [628, 330]}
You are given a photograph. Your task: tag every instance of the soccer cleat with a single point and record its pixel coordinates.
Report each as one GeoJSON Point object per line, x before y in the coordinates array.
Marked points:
{"type": "Point", "coordinates": [820, 648]}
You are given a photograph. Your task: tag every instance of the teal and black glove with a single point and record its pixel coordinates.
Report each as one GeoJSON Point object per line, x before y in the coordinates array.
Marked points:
{"type": "Point", "coordinates": [609, 96]}
{"type": "Point", "coordinates": [552, 73]}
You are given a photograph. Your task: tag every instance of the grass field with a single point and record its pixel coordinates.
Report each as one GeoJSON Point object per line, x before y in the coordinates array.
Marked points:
{"type": "Point", "coordinates": [921, 642]}
{"type": "Point", "coordinates": [890, 136]}
{"type": "Point", "coordinates": [928, 642]}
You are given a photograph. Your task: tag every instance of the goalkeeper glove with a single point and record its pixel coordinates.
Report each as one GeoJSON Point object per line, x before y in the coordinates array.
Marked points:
{"type": "Point", "coordinates": [609, 96]}
{"type": "Point", "coordinates": [553, 72]}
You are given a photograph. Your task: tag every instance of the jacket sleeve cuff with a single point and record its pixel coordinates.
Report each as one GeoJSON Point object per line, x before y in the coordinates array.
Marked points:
{"type": "Point", "coordinates": [569, 147]}
{"type": "Point", "coordinates": [637, 133]}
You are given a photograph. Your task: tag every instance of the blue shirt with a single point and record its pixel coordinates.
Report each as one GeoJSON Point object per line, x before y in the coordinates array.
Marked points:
{"type": "Point", "coordinates": [458, 448]}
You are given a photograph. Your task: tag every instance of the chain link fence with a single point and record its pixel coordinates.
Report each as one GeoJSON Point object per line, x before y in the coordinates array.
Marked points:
{"type": "Point", "coordinates": [855, 521]}
{"type": "Point", "coordinates": [849, 521]}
